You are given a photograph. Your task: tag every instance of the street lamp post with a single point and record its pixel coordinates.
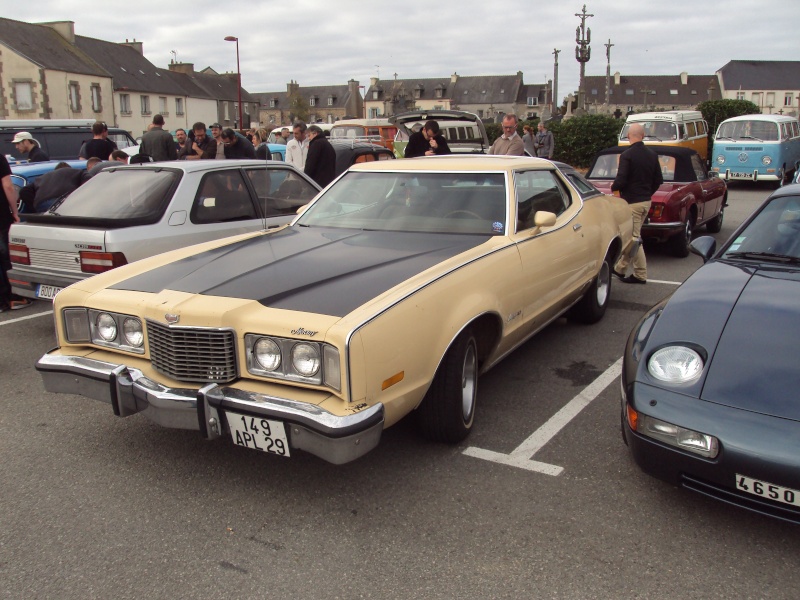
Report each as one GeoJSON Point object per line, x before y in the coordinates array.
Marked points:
{"type": "Point", "coordinates": [231, 38]}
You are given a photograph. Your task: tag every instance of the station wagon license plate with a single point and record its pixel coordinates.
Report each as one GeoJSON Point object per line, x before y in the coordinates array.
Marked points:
{"type": "Point", "coordinates": [768, 490]}
{"type": "Point", "coordinates": [47, 291]}
{"type": "Point", "coordinates": [258, 434]}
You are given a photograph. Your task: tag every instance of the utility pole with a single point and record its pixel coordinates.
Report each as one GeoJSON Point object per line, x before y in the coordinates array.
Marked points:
{"type": "Point", "coordinates": [554, 96]}
{"type": "Point", "coordinates": [583, 36]}
{"type": "Point", "coordinates": [608, 72]}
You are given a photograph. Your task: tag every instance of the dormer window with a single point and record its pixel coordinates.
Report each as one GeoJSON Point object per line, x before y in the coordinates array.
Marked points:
{"type": "Point", "coordinates": [331, 100]}
{"type": "Point", "coordinates": [273, 102]}
{"type": "Point", "coordinates": [312, 101]}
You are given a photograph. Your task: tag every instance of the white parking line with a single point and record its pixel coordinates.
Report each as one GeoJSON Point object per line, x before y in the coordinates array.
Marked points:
{"type": "Point", "coordinates": [522, 456]}
{"type": "Point", "coordinates": [25, 318]}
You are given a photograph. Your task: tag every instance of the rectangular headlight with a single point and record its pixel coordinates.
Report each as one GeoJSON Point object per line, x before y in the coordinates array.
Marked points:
{"type": "Point", "coordinates": [76, 325]}
{"type": "Point", "coordinates": [679, 437]}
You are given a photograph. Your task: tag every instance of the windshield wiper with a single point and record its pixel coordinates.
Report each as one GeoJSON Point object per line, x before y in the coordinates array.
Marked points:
{"type": "Point", "coordinates": [769, 256]}
{"type": "Point", "coordinates": [726, 137]}
{"type": "Point", "coordinates": [750, 137]}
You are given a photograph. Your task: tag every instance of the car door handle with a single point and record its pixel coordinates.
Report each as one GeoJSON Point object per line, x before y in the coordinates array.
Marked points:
{"type": "Point", "coordinates": [576, 226]}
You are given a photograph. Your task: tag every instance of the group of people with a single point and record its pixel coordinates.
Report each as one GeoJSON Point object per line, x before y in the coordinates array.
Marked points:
{"type": "Point", "coordinates": [310, 151]}
{"type": "Point", "coordinates": [428, 141]}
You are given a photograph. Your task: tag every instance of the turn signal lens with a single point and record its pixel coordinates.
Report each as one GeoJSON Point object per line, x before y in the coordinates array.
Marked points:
{"type": "Point", "coordinates": [19, 254]}
{"type": "Point", "coordinates": [100, 262]}
{"type": "Point", "coordinates": [633, 418]}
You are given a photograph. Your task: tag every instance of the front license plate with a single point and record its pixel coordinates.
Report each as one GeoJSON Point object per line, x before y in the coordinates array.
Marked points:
{"type": "Point", "coordinates": [258, 434]}
{"type": "Point", "coordinates": [768, 490]}
{"type": "Point", "coordinates": [47, 291]}
{"type": "Point", "coordinates": [741, 175]}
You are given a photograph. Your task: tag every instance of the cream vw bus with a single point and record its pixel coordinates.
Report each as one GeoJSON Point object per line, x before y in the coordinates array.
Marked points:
{"type": "Point", "coordinates": [671, 128]}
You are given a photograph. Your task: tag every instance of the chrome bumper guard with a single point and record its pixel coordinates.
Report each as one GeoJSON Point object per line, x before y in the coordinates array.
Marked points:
{"type": "Point", "coordinates": [336, 439]}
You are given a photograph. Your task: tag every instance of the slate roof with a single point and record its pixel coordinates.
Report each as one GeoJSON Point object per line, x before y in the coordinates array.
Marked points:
{"type": "Point", "coordinates": [482, 89]}
{"type": "Point", "coordinates": [341, 94]}
{"type": "Point", "coordinates": [694, 92]}
{"type": "Point", "coordinates": [782, 75]}
{"type": "Point", "coordinates": [45, 47]}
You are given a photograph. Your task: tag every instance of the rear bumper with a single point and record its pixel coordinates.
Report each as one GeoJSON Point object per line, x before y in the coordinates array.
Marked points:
{"type": "Point", "coordinates": [336, 439]}
{"type": "Point", "coordinates": [25, 283]}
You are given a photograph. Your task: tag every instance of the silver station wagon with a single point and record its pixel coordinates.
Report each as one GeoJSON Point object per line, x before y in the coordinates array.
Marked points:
{"type": "Point", "coordinates": [127, 213]}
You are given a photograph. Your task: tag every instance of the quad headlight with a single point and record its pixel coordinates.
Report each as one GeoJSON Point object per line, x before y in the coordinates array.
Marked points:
{"type": "Point", "coordinates": [675, 364]}
{"type": "Point", "coordinates": [104, 328]}
{"type": "Point", "coordinates": [293, 360]}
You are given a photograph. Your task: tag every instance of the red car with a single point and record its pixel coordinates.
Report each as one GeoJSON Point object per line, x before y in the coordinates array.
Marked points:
{"type": "Point", "coordinates": [690, 196]}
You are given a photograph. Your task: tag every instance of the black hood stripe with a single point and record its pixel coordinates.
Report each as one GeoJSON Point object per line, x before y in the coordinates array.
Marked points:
{"type": "Point", "coordinates": [317, 270]}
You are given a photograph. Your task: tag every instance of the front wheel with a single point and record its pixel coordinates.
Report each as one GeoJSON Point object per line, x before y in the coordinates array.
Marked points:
{"type": "Point", "coordinates": [448, 410]}
{"type": "Point", "coordinates": [679, 244]}
{"type": "Point", "coordinates": [592, 307]}
{"type": "Point", "coordinates": [715, 224]}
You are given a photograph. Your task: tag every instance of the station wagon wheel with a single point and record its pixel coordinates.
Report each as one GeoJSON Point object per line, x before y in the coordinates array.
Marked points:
{"type": "Point", "coordinates": [448, 410]}
{"type": "Point", "coordinates": [679, 244]}
{"type": "Point", "coordinates": [592, 307]}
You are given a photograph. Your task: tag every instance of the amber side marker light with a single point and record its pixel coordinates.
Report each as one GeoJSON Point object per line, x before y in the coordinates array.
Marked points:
{"type": "Point", "coordinates": [396, 378]}
{"type": "Point", "coordinates": [633, 418]}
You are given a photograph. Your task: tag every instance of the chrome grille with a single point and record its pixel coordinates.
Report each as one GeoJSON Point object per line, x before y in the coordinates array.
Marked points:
{"type": "Point", "coordinates": [192, 354]}
{"type": "Point", "coordinates": [53, 259]}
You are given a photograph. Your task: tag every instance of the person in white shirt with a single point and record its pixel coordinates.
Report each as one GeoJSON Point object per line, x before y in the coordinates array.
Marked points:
{"type": "Point", "coordinates": [297, 148]}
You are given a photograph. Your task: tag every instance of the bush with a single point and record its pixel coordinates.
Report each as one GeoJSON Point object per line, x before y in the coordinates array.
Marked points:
{"type": "Point", "coordinates": [716, 111]}
{"type": "Point", "coordinates": [578, 139]}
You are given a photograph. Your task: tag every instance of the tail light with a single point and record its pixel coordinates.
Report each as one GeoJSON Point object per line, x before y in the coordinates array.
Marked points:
{"type": "Point", "coordinates": [656, 210]}
{"type": "Point", "coordinates": [100, 262]}
{"type": "Point", "coordinates": [19, 254]}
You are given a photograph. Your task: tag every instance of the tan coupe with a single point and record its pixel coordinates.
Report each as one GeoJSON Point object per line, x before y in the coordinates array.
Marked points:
{"type": "Point", "coordinates": [388, 295]}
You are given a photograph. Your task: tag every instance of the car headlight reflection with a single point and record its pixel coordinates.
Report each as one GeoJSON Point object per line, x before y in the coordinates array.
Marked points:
{"type": "Point", "coordinates": [133, 332]}
{"type": "Point", "coordinates": [106, 327]}
{"type": "Point", "coordinates": [267, 354]}
{"type": "Point", "coordinates": [766, 160]}
{"type": "Point", "coordinates": [306, 359]}
{"type": "Point", "coordinates": [675, 364]}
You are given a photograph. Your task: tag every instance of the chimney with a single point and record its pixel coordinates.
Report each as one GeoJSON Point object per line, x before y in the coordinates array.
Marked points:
{"type": "Point", "coordinates": [66, 29]}
{"type": "Point", "coordinates": [138, 46]}
{"type": "Point", "coordinates": [373, 81]}
{"type": "Point", "coordinates": [684, 78]}
{"type": "Point", "coordinates": [454, 77]}
{"type": "Point", "coordinates": [352, 86]}
{"type": "Point", "coordinates": [185, 68]}
{"type": "Point", "coordinates": [616, 78]}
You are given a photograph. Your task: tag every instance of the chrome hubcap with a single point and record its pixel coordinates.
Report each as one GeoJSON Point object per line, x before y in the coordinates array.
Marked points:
{"type": "Point", "coordinates": [603, 284]}
{"type": "Point", "coordinates": [468, 382]}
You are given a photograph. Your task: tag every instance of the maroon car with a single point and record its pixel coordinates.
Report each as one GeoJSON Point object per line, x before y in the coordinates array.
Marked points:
{"type": "Point", "coordinates": [690, 196]}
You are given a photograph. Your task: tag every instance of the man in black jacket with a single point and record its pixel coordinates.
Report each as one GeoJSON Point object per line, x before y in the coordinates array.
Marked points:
{"type": "Point", "coordinates": [321, 159]}
{"type": "Point", "coordinates": [427, 142]}
{"type": "Point", "coordinates": [27, 145]}
{"type": "Point", "coordinates": [638, 178]}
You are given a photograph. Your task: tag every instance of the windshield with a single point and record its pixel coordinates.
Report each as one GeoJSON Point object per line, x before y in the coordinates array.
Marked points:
{"type": "Point", "coordinates": [606, 166]}
{"type": "Point", "coordinates": [765, 131]}
{"type": "Point", "coordinates": [422, 202]}
{"type": "Point", "coordinates": [121, 194]}
{"type": "Point", "coordinates": [774, 231]}
{"type": "Point", "coordinates": [653, 130]}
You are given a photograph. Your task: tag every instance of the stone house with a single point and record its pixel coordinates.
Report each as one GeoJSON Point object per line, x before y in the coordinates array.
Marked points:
{"type": "Point", "coordinates": [772, 85]}
{"type": "Point", "coordinates": [326, 103]}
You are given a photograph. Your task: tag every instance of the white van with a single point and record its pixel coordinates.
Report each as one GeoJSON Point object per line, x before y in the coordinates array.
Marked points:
{"type": "Point", "coordinates": [685, 128]}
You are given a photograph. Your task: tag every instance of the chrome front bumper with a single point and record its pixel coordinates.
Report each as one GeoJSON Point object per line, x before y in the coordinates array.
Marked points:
{"type": "Point", "coordinates": [336, 439]}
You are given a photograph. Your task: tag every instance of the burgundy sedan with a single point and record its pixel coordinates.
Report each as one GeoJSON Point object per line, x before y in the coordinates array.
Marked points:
{"type": "Point", "coordinates": [690, 196]}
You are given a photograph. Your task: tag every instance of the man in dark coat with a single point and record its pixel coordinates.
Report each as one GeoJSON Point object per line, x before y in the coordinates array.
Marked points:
{"type": "Point", "coordinates": [43, 192]}
{"type": "Point", "coordinates": [427, 142]}
{"type": "Point", "coordinates": [321, 159]}
{"type": "Point", "coordinates": [236, 145]}
{"type": "Point", "coordinates": [27, 145]}
{"type": "Point", "coordinates": [158, 143]}
{"type": "Point", "coordinates": [638, 178]}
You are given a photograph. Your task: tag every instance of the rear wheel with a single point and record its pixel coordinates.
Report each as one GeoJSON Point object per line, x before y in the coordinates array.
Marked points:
{"type": "Point", "coordinates": [592, 306]}
{"type": "Point", "coordinates": [448, 410]}
{"type": "Point", "coordinates": [679, 244]}
{"type": "Point", "coordinates": [715, 224]}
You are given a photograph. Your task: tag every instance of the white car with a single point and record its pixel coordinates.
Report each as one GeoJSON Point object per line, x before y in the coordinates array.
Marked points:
{"type": "Point", "coordinates": [132, 212]}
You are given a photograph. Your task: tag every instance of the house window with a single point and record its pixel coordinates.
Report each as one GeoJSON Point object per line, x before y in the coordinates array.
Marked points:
{"type": "Point", "coordinates": [96, 104]}
{"type": "Point", "coordinates": [74, 96]}
{"type": "Point", "coordinates": [178, 106]}
{"type": "Point", "coordinates": [162, 105]}
{"type": "Point", "coordinates": [246, 108]}
{"type": "Point", "coordinates": [594, 91]}
{"type": "Point", "coordinates": [629, 92]}
{"type": "Point", "coordinates": [438, 93]}
{"type": "Point", "coordinates": [272, 103]}
{"type": "Point", "coordinates": [145, 104]}
{"type": "Point", "coordinates": [312, 101]}
{"type": "Point", "coordinates": [756, 98]}
{"type": "Point", "coordinates": [480, 113]}
{"type": "Point", "coordinates": [740, 95]}
{"type": "Point", "coordinates": [787, 99]}
{"type": "Point", "coordinates": [374, 95]}
{"type": "Point", "coordinates": [373, 113]}
{"type": "Point", "coordinates": [673, 92]}
{"type": "Point", "coordinates": [330, 100]}
{"type": "Point", "coordinates": [533, 101]}
{"type": "Point", "coordinates": [125, 104]}
{"type": "Point", "coordinates": [23, 94]}
{"type": "Point", "coordinates": [417, 94]}
{"type": "Point", "coordinates": [226, 107]}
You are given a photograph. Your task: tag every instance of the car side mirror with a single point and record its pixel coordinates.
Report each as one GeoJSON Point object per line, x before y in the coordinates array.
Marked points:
{"type": "Point", "coordinates": [704, 247]}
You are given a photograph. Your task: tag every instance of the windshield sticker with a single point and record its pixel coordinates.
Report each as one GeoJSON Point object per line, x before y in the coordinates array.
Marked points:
{"type": "Point", "coordinates": [497, 227]}
{"type": "Point", "coordinates": [736, 243]}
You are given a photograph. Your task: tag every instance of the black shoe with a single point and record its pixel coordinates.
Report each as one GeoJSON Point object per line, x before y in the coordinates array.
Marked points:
{"type": "Point", "coordinates": [4, 307]}
{"type": "Point", "coordinates": [632, 279]}
{"type": "Point", "coordinates": [618, 274]}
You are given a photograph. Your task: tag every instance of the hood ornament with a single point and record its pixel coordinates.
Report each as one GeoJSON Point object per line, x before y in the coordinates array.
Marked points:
{"type": "Point", "coordinates": [172, 319]}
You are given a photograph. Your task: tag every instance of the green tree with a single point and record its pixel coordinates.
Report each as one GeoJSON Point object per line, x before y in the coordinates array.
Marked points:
{"type": "Point", "coordinates": [579, 139]}
{"type": "Point", "coordinates": [298, 108]}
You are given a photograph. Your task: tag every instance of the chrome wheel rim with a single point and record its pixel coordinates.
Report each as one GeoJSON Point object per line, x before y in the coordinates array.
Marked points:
{"type": "Point", "coordinates": [469, 375]}
{"type": "Point", "coordinates": [603, 284]}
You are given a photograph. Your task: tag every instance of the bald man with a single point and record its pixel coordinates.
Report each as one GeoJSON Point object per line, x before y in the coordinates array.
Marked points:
{"type": "Point", "coordinates": [638, 178]}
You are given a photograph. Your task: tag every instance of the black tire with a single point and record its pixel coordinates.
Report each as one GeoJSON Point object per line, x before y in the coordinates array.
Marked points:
{"type": "Point", "coordinates": [447, 412]}
{"type": "Point", "coordinates": [679, 244]}
{"type": "Point", "coordinates": [592, 307]}
{"type": "Point", "coordinates": [715, 224]}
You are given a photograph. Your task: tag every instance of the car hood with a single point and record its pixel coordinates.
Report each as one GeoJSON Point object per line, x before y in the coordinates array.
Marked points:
{"type": "Point", "coordinates": [315, 270]}
{"type": "Point", "coordinates": [748, 320]}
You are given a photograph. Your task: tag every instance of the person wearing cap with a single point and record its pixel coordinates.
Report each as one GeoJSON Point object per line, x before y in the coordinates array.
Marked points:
{"type": "Point", "coordinates": [8, 215]}
{"type": "Point", "coordinates": [216, 133]}
{"type": "Point", "coordinates": [27, 145]}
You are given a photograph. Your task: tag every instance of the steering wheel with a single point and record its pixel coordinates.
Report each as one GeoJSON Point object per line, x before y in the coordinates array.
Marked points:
{"type": "Point", "coordinates": [463, 213]}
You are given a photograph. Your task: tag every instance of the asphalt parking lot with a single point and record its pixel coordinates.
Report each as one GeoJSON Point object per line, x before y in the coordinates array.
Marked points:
{"type": "Point", "coordinates": [541, 501]}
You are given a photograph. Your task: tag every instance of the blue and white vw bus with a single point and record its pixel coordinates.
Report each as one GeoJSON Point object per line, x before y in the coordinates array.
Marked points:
{"type": "Point", "coordinates": [757, 148]}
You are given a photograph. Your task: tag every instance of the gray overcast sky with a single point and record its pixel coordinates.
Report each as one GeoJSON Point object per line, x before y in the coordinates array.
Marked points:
{"type": "Point", "coordinates": [327, 42]}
